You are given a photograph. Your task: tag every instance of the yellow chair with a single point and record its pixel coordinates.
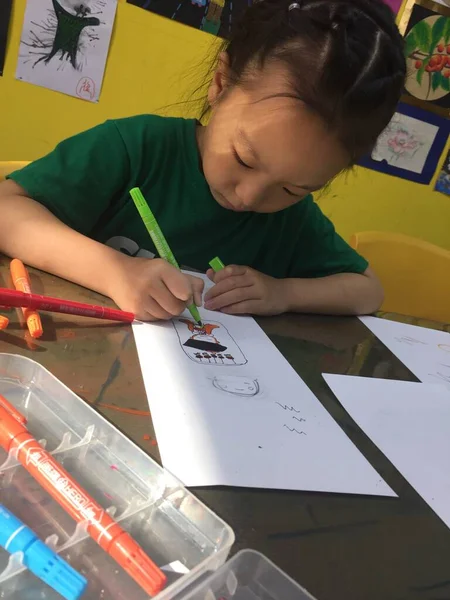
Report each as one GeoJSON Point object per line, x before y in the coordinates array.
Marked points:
{"type": "Point", "coordinates": [415, 274]}
{"type": "Point", "coordinates": [7, 167]}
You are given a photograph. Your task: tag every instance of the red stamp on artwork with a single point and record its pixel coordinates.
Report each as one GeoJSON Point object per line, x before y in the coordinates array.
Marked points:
{"type": "Point", "coordinates": [86, 88]}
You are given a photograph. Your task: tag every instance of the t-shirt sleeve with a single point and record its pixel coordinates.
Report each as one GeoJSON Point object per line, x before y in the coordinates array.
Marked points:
{"type": "Point", "coordinates": [81, 178]}
{"type": "Point", "coordinates": [319, 250]}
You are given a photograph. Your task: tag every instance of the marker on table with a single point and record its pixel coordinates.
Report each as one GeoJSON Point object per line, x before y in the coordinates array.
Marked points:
{"type": "Point", "coordinates": [55, 480]}
{"type": "Point", "coordinates": [21, 281]}
{"type": "Point", "coordinates": [38, 557]}
{"type": "Point", "coordinates": [158, 239]}
{"type": "Point", "coordinates": [216, 264]}
{"type": "Point", "coordinates": [36, 301]}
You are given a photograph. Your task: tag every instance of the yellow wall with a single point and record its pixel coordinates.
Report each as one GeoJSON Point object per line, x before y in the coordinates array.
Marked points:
{"type": "Point", "coordinates": [149, 67]}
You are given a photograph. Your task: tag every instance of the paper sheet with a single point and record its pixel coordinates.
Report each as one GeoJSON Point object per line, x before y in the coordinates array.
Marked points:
{"type": "Point", "coordinates": [64, 45]}
{"type": "Point", "coordinates": [425, 352]}
{"type": "Point", "coordinates": [405, 143]}
{"type": "Point", "coordinates": [5, 15]}
{"type": "Point", "coordinates": [410, 423]}
{"type": "Point", "coordinates": [228, 409]}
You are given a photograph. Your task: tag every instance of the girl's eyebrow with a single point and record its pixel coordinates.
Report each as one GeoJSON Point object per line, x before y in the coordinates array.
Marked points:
{"type": "Point", "coordinates": [244, 139]}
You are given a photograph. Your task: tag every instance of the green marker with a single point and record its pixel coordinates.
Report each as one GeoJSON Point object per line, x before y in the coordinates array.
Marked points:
{"type": "Point", "coordinates": [158, 239]}
{"type": "Point", "coordinates": [216, 264]}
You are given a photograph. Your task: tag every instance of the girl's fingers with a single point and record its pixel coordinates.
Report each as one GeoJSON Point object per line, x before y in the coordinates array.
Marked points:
{"type": "Point", "coordinates": [166, 300]}
{"type": "Point", "coordinates": [197, 289]}
{"type": "Point", "coordinates": [229, 271]}
{"type": "Point", "coordinates": [247, 307]}
{"type": "Point", "coordinates": [155, 312]}
{"type": "Point", "coordinates": [231, 297]}
{"type": "Point", "coordinates": [230, 283]}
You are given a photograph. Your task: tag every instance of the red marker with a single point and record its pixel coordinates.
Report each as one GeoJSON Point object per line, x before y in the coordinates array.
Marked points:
{"type": "Point", "coordinates": [38, 302]}
{"type": "Point", "coordinates": [64, 489]}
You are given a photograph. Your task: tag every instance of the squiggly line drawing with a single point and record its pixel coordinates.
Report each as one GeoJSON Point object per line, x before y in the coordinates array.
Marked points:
{"type": "Point", "coordinates": [286, 407]}
{"type": "Point", "coordinates": [440, 376]}
{"type": "Point", "coordinates": [301, 419]}
{"type": "Point", "coordinates": [293, 429]}
{"type": "Point", "coordinates": [410, 341]}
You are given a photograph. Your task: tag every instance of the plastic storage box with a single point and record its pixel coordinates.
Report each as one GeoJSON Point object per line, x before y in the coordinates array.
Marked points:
{"type": "Point", "coordinates": [170, 524]}
{"type": "Point", "coordinates": [247, 576]}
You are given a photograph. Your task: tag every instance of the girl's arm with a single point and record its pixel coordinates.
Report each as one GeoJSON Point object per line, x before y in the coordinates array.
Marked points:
{"type": "Point", "coordinates": [242, 290]}
{"type": "Point", "coordinates": [150, 288]}
{"type": "Point", "coordinates": [339, 294]}
{"type": "Point", "coordinates": [32, 233]}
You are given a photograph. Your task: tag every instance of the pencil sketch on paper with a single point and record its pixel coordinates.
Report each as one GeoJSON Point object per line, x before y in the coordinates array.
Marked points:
{"type": "Point", "coordinates": [444, 347]}
{"type": "Point", "coordinates": [409, 340]}
{"type": "Point", "coordinates": [208, 344]}
{"type": "Point", "coordinates": [237, 385]}
{"type": "Point", "coordinates": [65, 43]}
{"type": "Point", "coordinates": [405, 143]}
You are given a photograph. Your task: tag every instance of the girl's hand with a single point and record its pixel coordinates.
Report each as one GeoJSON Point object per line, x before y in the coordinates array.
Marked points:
{"type": "Point", "coordinates": [242, 290]}
{"type": "Point", "coordinates": [152, 289]}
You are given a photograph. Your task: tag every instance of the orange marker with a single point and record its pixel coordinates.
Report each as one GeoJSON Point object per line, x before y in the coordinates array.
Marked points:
{"type": "Point", "coordinates": [22, 283]}
{"type": "Point", "coordinates": [4, 322]}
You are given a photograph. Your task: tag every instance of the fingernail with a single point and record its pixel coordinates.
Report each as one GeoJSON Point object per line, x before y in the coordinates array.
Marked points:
{"type": "Point", "coordinates": [208, 305]}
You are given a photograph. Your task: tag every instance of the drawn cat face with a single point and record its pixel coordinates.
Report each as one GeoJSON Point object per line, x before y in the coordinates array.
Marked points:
{"type": "Point", "coordinates": [237, 385]}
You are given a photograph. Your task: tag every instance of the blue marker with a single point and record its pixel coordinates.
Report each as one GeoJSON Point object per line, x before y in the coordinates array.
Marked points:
{"type": "Point", "coordinates": [39, 558]}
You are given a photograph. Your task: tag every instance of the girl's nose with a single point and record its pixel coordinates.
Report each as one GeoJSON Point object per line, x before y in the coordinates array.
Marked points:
{"type": "Point", "coordinates": [249, 194]}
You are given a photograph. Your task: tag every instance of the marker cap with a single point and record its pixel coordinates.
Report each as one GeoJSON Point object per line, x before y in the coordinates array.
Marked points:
{"type": "Point", "coordinates": [216, 264]}
{"type": "Point", "coordinates": [53, 570]}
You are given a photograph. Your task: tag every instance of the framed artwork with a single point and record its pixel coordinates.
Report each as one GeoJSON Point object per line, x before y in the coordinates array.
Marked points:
{"type": "Point", "coordinates": [214, 16]}
{"type": "Point", "coordinates": [443, 181]}
{"type": "Point", "coordinates": [5, 15]}
{"type": "Point", "coordinates": [411, 145]}
{"type": "Point", "coordinates": [426, 28]}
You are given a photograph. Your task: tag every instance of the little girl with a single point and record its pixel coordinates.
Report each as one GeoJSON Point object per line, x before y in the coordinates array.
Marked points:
{"type": "Point", "coordinates": [302, 89]}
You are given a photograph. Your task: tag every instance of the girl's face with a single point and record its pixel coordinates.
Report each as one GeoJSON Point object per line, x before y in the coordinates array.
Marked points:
{"type": "Point", "coordinates": [263, 152]}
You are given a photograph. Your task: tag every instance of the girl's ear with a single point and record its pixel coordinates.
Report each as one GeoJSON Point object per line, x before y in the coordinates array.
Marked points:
{"type": "Point", "coordinates": [220, 80]}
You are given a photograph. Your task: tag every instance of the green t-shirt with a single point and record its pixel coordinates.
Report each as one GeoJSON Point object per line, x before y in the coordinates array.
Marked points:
{"type": "Point", "coordinates": [86, 180]}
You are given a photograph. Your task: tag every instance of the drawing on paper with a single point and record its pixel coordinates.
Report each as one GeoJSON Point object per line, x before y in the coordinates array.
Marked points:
{"type": "Point", "coordinates": [237, 385]}
{"type": "Point", "coordinates": [294, 430]}
{"type": "Point", "coordinates": [409, 340]}
{"type": "Point", "coordinates": [65, 43]}
{"type": "Point", "coordinates": [444, 347]}
{"type": "Point", "coordinates": [405, 143]}
{"type": "Point", "coordinates": [63, 34]}
{"type": "Point", "coordinates": [209, 344]}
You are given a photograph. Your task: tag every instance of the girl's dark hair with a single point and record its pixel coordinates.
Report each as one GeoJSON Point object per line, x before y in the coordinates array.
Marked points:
{"type": "Point", "coordinates": [344, 59]}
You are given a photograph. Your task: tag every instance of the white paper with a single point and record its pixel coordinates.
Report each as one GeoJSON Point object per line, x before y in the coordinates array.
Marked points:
{"type": "Point", "coordinates": [228, 409]}
{"type": "Point", "coordinates": [425, 352]}
{"type": "Point", "coordinates": [405, 143]}
{"type": "Point", "coordinates": [64, 45]}
{"type": "Point", "coordinates": [410, 423]}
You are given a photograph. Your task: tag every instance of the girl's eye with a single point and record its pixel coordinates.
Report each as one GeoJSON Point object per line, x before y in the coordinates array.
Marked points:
{"type": "Point", "coordinates": [240, 161]}
{"type": "Point", "coordinates": [291, 193]}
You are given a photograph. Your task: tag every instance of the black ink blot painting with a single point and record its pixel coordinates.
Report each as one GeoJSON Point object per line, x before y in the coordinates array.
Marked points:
{"type": "Point", "coordinates": [65, 44]}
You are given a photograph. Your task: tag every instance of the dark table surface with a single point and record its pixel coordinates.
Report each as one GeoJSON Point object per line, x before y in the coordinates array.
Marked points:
{"type": "Point", "coordinates": [339, 547]}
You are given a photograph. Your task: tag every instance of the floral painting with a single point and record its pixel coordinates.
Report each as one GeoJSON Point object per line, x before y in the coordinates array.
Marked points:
{"type": "Point", "coordinates": [427, 51]}
{"type": "Point", "coordinates": [405, 143]}
{"type": "Point", "coordinates": [411, 145]}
